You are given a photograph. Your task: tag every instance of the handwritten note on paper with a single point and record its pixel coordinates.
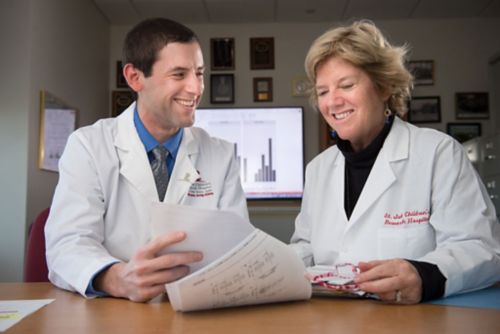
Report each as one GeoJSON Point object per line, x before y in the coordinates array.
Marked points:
{"type": "Point", "coordinates": [12, 311]}
{"type": "Point", "coordinates": [212, 232]}
{"type": "Point", "coordinates": [261, 269]}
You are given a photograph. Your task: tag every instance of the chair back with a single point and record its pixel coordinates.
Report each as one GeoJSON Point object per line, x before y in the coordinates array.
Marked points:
{"type": "Point", "coordinates": [35, 266]}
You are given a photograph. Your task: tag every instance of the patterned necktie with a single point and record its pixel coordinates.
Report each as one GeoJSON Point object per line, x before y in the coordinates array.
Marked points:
{"type": "Point", "coordinates": [160, 171]}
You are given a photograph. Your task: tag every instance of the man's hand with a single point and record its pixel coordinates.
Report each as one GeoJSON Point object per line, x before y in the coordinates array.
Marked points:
{"type": "Point", "coordinates": [145, 275]}
{"type": "Point", "coordinates": [394, 281]}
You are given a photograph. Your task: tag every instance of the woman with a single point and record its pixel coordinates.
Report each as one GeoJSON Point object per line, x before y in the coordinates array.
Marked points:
{"type": "Point", "coordinates": [402, 202]}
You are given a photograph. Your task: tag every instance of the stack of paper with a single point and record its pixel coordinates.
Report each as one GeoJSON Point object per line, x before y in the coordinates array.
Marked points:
{"type": "Point", "coordinates": [241, 265]}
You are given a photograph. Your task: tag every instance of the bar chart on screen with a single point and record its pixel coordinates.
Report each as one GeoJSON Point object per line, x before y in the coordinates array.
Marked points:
{"type": "Point", "coordinates": [268, 145]}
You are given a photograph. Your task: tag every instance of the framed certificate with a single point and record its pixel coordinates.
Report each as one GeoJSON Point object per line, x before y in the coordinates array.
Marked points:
{"type": "Point", "coordinates": [222, 54]}
{"type": "Point", "coordinates": [120, 100]}
{"type": "Point", "coordinates": [221, 88]}
{"type": "Point", "coordinates": [262, 89]}
{"type": "Point", "coordinates": [57, 122]}
{"type": "Point", "coordinates": [262, 53]}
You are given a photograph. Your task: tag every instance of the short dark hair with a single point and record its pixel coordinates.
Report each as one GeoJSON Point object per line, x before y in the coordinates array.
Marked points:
{"type": "Point", "coordinates": [148, 37]}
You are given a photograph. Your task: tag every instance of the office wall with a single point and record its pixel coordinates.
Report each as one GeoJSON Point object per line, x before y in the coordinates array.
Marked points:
{"type": "Point", "coordinates": [69, 58]}
{"type": "Point", "coordinates": [14, 111]}
{"type": "Point", "coordinates": [494, 71]}
{"type": "Point", "coordinates": [460, 49]}
{"type": "Point", "coordinates": [63, 47]}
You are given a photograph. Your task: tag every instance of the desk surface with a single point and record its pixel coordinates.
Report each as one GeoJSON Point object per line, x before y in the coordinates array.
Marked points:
{"type": "Point", "coordinates": [70, 313]}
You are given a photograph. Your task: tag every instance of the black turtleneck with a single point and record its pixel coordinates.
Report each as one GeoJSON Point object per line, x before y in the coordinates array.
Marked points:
{"type": "Point", "coordinates": [357, 168]}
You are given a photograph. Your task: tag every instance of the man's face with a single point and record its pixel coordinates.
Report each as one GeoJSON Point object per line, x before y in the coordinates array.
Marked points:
{"type": "Point", "coordinates": [173, 91]}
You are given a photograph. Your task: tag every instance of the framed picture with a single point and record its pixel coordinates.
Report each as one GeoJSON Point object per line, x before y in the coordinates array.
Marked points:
{"type": "Point", "coordinates": [120, 100]}
{"type": "Point", "coordinates": [120, 79]}
{"type": "Point", "coordinates": [422, 71]}
{"type": "Point", "coordinates": [262, 89]}
{"type": "Point", "coordinates": [472, 105]}
{"type": "Point", "coordinates": [57, 121]}
{"type": "Point", "coordinates": [463, 131]}
{"type": "Point", "coordinates": [300, 87]}
{"type": "Point", "coordinates": [262, 53]}
{"type": "Point", "coordinates": [424, 109]}
{"type": "Point", "coordinates": [222, 54]}
{"type": "Point", "coordinates": [221, 88]}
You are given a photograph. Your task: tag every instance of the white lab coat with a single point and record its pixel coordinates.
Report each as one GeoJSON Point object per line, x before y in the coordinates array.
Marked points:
{"type": "Point", "coordinates": [422, 201]}
{"type": "Point", "coordinates": [102, 204]}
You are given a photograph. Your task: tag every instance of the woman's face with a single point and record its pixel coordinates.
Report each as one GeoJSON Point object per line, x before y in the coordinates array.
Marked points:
{"type": "Point", "coordinates": [349, 102]}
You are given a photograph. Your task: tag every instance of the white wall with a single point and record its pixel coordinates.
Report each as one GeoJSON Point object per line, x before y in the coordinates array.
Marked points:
{"type": "Point", "coordinates": [14, 111]}
{"type": "Point", "coordinates": [63, 47]}
{"type": "Point", "coordinates": [69, 58]}
{"type": "Point", "coordinates": [460, 49]}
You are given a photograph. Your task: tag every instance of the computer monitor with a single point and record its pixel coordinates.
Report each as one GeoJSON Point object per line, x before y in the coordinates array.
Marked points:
{"type": "Point", "coordinates": [268, 144]}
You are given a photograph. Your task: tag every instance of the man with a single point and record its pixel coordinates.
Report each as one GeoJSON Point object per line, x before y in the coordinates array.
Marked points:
{"type": "Point", "coordinates": [98, 234]}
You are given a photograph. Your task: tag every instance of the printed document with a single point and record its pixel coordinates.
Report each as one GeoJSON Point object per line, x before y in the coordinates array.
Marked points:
{"type": "Point", "coordinates": [13, 311]}
{"type": "Point", "coordinates": [242, 265]}
{"type": "Point", "coordinates": [209, 231]}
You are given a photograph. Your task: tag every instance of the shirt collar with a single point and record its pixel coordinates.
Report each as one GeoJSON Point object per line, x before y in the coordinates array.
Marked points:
{"type": "Point", "coordinates": [149, 142]}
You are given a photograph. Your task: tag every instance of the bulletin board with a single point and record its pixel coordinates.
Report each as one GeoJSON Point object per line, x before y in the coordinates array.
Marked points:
{"type": "Point", "coordinates": [57, 122]}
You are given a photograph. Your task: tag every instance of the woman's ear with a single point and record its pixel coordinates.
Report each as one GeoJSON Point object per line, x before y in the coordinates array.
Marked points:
{"type": "Point", "coordinates": [133, 76]}
{"type": "Point", "coordinates": [386, 95]}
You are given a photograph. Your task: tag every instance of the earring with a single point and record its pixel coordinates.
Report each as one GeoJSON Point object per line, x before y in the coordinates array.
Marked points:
{"type": "Point", "coordinates": [387, 111]}
{"type": "Point", "coordinates": [333, 134]}
{"type": "Point", "coordinates": [387, 114]}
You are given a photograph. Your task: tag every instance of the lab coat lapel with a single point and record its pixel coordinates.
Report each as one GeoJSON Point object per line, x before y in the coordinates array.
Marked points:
{"type": "Point", "coordinates": [338, 180]}
{"type": "Point", "coordinates": [184, 173]}
{"type": "Point", "coordinates": [382, 175]}
{"type": "Point", "coordinates": [134, 163]}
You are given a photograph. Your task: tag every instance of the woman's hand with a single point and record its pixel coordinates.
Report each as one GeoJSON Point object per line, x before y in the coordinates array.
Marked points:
{"type": "Point", "coordinates": [394, 281]}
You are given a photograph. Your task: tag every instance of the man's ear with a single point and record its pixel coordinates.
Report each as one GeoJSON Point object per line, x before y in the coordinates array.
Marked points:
{"type": "Point", "coordinates": [134, 77]}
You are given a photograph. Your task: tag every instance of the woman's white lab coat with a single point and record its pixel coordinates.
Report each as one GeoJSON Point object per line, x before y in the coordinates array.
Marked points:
{"type": "Point", "coordinates": [422, 201]}
{"type": "Point", "coordinates": [102, 204]}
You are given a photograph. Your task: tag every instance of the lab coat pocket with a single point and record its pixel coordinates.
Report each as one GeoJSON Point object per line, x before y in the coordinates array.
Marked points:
{"type": "Point", "coordinates": [408, 242]}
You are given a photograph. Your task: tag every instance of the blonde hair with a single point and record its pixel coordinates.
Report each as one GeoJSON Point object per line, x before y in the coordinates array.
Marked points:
{"type": "Point", "coordinates": [363, 45]}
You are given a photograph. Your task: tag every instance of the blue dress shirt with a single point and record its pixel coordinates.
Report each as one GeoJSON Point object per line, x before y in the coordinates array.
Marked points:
{"type": "Point", "coordinates": [149, 142]}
